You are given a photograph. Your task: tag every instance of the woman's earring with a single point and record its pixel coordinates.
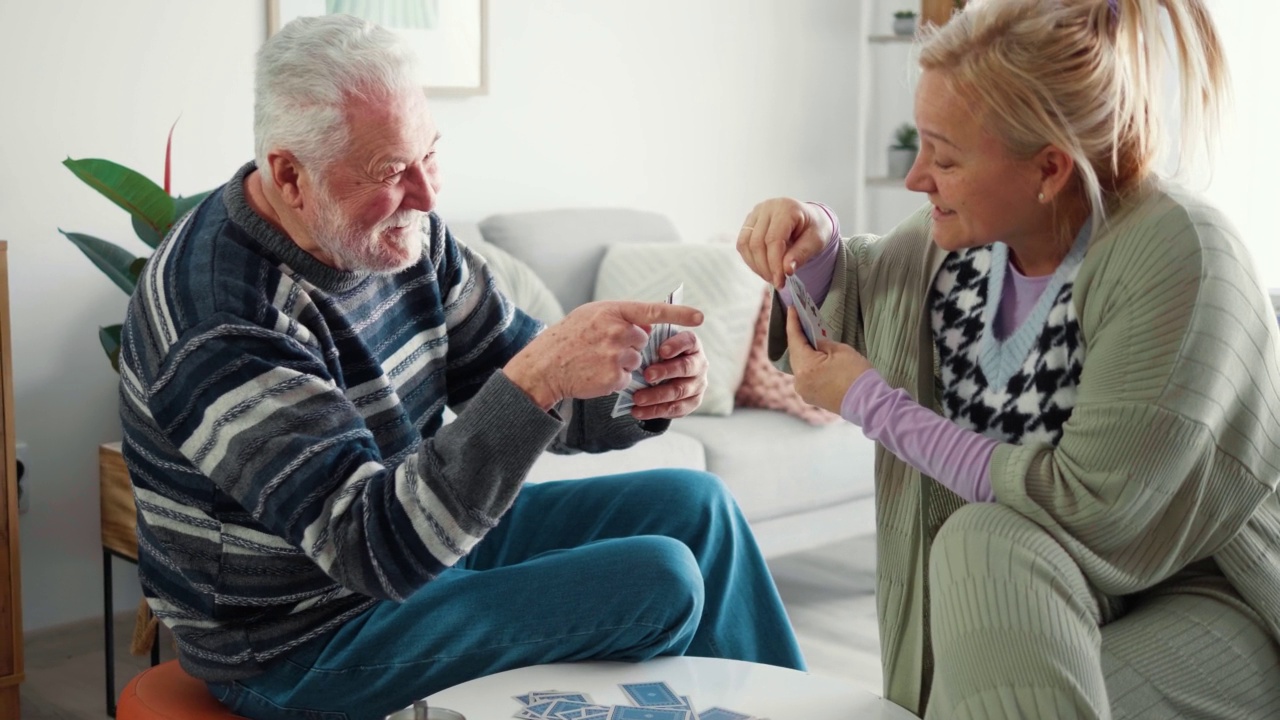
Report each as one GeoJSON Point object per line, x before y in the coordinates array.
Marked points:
{"type": "Point", "coordinates": [1040, 197]}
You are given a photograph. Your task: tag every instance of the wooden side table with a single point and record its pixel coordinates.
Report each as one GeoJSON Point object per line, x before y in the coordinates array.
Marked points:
{"type": "Point", "coordinates": [11, 669]}
{"type": "Point", "coordinates": [119, 539]}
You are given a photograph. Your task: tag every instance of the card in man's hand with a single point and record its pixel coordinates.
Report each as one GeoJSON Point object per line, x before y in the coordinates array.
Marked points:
{"type": "Point", "coordinates": [658, 334]}
{"type": "Point", "coordinates": [809, 312]}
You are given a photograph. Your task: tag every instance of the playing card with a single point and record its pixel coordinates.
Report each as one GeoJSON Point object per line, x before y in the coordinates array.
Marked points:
{"type": "Point", "coordinates": [624, 712]}
{"type": "Point", "coordinates": [658, 334]}
{"type": "Point", "coordinates": [567, 709]}
{"type": "Point", "coordinates": [661, 332]}
{"type": "Point", "coordinates": [539, 697]}
{"type": "Point", "coordinates": [625, 402]}
{"type": "Point", "coordinates": [653, 701]}
{"type": "Point", "coordinates": [651, 694]}
{"type": "Point", "coordinates": [809, 312]}
{"type": "Point", "coordinates": [537, 709]}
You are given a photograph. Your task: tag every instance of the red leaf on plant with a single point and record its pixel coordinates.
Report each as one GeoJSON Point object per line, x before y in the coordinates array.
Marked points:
{"type": "Point", "coordinates": [168, 149]}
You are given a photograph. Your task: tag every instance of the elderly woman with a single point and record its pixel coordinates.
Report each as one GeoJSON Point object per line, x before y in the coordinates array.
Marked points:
{"type": "Point", "coordinates": [1071, 372]}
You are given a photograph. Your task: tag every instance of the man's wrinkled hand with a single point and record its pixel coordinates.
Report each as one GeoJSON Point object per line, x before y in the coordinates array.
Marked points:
{"type": "Point", "coordinates": [678, 381]}
{"type": "Point", "coordinates": [592, 351]}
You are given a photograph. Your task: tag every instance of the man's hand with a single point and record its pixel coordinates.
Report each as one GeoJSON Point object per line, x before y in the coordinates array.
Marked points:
{"type": "Point", "coordinates": [824, 375]}
{"type": "Point", "coordinates": [682, 370]}
{"type": "Point", "coordinates": [592, 351]}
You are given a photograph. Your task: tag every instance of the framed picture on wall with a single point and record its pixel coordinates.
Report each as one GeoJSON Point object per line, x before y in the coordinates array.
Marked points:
{"type": "Point", "coordinates": [450, 36]}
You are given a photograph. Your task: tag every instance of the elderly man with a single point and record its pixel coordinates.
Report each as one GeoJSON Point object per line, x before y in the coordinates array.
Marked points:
{"type": "Point", "coordinates": [316, 538]}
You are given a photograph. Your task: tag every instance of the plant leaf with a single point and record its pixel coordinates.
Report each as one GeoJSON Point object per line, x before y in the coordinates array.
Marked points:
{"type": "Point", "coordinates": [136, 267]}
{"type": "Point", "coordinates": [183, 204]}
{"type": "Point", "coordinates": [146, 233]}
{"type": "Point", "coordinates": [113, 260]}
{"type": "Point", "coordinates": [127, 188]}
{"type": "Point", "coordinates": [110, 338]}
{"type": "Point", "coordinates": [168, 153]}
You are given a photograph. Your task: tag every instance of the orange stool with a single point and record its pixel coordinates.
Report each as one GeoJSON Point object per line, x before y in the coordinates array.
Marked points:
{"type": "Point", "coordinates": [165, 692]}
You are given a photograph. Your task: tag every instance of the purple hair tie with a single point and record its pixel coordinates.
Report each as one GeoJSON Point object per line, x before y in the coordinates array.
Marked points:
{"type": "Point", "coordinates": [1115, 8]}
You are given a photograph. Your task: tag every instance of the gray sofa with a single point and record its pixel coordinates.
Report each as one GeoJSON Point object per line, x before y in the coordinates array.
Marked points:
{"type": "Point", "coordinates": [800, 486]}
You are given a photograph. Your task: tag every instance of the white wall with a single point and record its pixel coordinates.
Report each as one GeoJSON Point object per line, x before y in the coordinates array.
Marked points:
{"type": "Point", "coordinates": [93, 79]}
{"type": "Point", "coordinates": [1244, 182]}
{"type": "Point", "coordinates": [693, 109]}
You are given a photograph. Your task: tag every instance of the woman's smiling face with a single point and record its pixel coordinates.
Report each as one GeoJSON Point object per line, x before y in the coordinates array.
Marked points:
{"type": "Point", "coordinates": [981, 192]}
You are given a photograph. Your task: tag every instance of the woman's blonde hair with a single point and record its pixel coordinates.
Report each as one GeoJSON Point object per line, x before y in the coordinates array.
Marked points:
{"type": "Point", "coordinates": [1086, 76]}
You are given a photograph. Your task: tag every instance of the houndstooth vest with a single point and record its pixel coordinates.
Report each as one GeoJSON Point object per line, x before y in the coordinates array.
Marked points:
{"type": "Point", "coordinates": [1021, 389]}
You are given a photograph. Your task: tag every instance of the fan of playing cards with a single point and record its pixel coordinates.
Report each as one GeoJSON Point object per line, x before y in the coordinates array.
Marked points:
{"type": "Point", "coordinates": [652, 701]}
{"type": "Point", "coordinates": [658, 334]}
{"type": "Point", "coordinates": [809, 312]}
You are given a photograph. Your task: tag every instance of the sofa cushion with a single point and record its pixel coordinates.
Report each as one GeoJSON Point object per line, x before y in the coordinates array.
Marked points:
{"type": "Point", "coordinates": [715, 281]}
{"type": "Point", "coordinates": [778, 465]}
{"type": "Point", "coordinates": [564, 247]}
{"type": "Point", "coordinates": [670, 449]}
{"type": "Point", "coordinates": [518, 282]}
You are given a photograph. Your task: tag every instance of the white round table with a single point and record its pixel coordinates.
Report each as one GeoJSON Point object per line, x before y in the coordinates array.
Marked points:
{"type": "Point", "coordinates": [761, 691]}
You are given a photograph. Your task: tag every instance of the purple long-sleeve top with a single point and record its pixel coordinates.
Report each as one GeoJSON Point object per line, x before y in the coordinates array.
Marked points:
{"type": "Point", "coordinates": [957, 457]}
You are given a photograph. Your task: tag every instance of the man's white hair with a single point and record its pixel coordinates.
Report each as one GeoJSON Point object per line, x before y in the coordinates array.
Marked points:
{"type": "Point", "coordinates": [309, 70]}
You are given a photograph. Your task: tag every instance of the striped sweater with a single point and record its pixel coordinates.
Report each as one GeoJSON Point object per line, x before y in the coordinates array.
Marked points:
{"type": "Point", "coordinates": [1172, 452]}
{"type": "Point", "coordinates": [283, 429]}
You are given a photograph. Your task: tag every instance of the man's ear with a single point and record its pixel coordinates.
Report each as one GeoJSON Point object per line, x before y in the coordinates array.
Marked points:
{"type": "Point", "coordinates": [286, 177]}
{"type": "Point", "coordinates": [1056, 170]}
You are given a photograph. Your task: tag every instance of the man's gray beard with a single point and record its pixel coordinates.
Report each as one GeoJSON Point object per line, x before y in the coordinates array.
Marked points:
{"type": "Point", "coordinates": [354, 251]}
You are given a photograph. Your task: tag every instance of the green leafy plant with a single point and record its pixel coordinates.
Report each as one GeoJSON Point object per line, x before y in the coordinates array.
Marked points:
{"type": "Point", "coordinates": [906, 137]}
{"type": "Point", "coordinates": [904, 14]}
{"type": "Point", "coordinates": [153, 211]}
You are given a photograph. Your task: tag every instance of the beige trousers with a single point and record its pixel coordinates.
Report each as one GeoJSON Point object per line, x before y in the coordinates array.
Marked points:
{"type": "Point", "coordinates": [1018, 632]}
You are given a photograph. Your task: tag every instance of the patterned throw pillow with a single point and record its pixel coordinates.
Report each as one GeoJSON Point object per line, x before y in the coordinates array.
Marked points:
{"type": "Point", "coordinates": [765, 386]}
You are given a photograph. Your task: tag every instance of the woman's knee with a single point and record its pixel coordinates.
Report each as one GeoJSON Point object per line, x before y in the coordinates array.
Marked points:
{"type": "Point", "coordinates": [991, 546]}
{"type": "Point", "coordinates": [985, 539]}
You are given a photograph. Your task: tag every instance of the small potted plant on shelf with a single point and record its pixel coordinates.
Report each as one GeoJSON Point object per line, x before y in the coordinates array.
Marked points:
{"type": "Point", "coordinates": [902, 153]}
{"type": "Point", "coordinates": [904, 22]}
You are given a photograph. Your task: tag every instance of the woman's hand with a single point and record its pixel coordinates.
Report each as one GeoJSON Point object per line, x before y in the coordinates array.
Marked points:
{"type": "Point", "coordinates": [781, 234]}
{"type": "Point", "coordinates": [824, 375]}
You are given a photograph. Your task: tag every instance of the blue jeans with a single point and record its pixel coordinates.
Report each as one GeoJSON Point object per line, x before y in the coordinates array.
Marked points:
{"type": "Point", "coordinates": [626, 567]}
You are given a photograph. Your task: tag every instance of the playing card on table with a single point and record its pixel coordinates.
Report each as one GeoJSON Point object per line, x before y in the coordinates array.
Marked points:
{"type": "Point", "coordinates": [809, 312]}
{"type": "Point", "coordinates": [652, 701]}
{"type": "Point", "coordinates": [651, 694]}
{"type": "Point", "coordinates": [625, 712]}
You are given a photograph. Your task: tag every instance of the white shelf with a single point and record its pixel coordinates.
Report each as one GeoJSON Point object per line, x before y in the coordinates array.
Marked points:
{"type": "Point", "coordinates": [891, 38]}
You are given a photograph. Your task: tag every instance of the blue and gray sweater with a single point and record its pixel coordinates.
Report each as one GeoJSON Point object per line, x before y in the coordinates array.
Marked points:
{"type": "Point", "coordinates": [283, 429]}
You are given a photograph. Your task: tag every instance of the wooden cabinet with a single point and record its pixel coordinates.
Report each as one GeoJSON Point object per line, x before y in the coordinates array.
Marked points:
{"type": "Point", "coordinates": [11, 673]}
{"type": "Point", "coordinates": [937, 12]}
